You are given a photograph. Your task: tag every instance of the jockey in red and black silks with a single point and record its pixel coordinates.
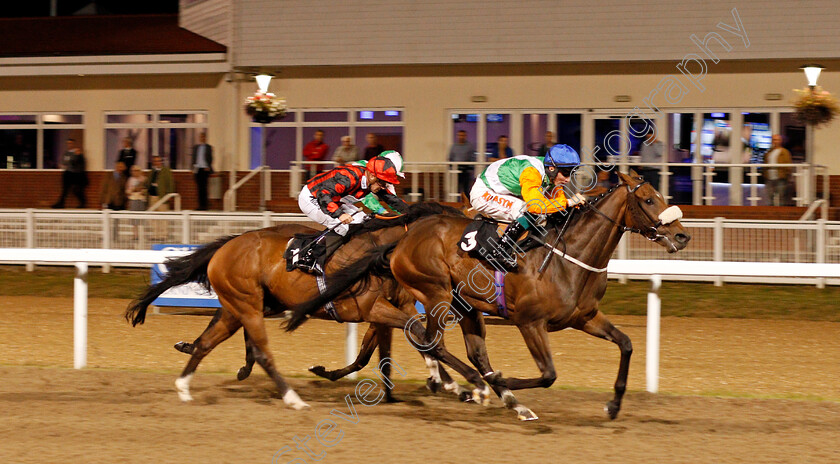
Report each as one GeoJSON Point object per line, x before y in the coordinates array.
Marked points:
{"type": "Point", "coordinates": [329, 197]}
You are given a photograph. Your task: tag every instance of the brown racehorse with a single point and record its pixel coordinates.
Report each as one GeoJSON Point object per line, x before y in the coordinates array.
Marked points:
{"type": "Point", "coordinates": [429, 264]}
{"type": "Point", "coordinates": [248, 273]}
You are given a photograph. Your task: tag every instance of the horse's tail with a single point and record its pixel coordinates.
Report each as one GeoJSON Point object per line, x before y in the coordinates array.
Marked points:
{"type": "Point", "coordinates": [375, 262]}
{"type": "Point", "coordinates": [188, 268]}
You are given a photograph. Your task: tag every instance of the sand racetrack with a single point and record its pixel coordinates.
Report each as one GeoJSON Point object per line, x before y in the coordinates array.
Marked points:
{"type": "Point", "coordinates": [123, 408]}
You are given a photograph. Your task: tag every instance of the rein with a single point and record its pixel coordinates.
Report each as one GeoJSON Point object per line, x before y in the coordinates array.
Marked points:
{"type": "Point", "coordinates": [650, 232]}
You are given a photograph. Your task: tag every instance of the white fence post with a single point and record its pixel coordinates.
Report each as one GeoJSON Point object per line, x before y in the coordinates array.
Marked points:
{"type": "Point", "coordinates": [185, 227]}
{"type": "Point", "coordinates": [80, 307]}
{"type": "Point", "coordinates": [266, 219]}
{"type": "Point", "coordinates": [717, 241]}
{"type": "Point", "coordinates": [622, 254]}
{"type": "Point", "coordinates": [350, 345]}
{"type": "Point", "coordinates": [820, 258]}
{"type": "Point", "coordinates": [654, 309]}
{"type": "Point", "coordinates": [30, 234]}
{"type": "Point", "coordinates": [106, 236]}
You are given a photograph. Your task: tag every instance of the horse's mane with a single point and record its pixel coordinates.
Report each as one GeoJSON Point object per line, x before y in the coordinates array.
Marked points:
{"type": "Point", "coordinates": [559, 219]}
{"type": "Point", "coordinates": [413, 213]}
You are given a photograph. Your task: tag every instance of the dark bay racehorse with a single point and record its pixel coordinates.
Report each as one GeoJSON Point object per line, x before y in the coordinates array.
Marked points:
{"type": "Point", "coordinates": [248, 273]}
{"type": "Point", "coordinates": [430, 265]}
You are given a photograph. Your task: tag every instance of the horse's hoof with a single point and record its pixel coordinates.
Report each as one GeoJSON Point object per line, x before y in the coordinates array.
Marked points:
{"type": "Point", "coordinates": [465, 396]}
{"type": "Point", "coordinates": [390, 399]}
{"type": "Point", "coordinates": [243, 373]}
{"type": "Point", "coordinates": [184, 347]}
{"type": "Point", "coordinates": [433, 385]}
{"type": "Point", "coordinates": [481, 395]}
{"type": "Point", "coordinates": [612, 409]}
{"type": "Point", "coordinates": [292, 399]}
{"type": "Point", "coordinates": [320, 371]}
{"type": "Point", "coordinates": [525, 414]}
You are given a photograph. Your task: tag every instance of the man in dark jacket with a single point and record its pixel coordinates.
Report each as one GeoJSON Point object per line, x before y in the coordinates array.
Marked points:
{"type": "Point", "coordinates": [74, 176]}
{"type": "Point", "coordinates": [202, 160]}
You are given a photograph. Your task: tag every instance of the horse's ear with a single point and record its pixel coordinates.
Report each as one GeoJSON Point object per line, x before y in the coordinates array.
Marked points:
{"type": "Point", "coordinates": [628, 179]}
{"type": "Point", "coordinates": [634, 175]}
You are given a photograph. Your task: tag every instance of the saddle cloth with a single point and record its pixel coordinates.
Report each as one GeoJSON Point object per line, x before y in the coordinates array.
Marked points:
{"type": "Point", "coordinates": [299, 244]}
{"type": "Point", "coordinates": [483, 233]}
{"type": "Point", "coordinates": [293, 250]}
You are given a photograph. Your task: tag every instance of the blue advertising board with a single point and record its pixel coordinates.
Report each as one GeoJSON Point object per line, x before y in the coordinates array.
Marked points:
{"type": "Point", "coordinates": [191, 295]}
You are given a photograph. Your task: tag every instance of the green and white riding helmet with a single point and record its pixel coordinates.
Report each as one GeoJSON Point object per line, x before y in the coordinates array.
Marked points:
{"type": "Point", "coordinates": [395, 158]}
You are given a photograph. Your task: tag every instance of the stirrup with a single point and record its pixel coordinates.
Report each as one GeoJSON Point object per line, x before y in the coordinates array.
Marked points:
{"type": "Point", "coordinates": [504, 255]}
{"type": "Point", "coordinates": [309, 263]}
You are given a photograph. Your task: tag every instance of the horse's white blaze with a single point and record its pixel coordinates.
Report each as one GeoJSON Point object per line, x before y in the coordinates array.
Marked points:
{"type": "Point", "coordinates": [434, 372]}
{"type": "Point", "coordinates": [671, 214]}
{"type": "Point", "coordinates": [182, 386]}
{"type": "Point", "coordinates": [292, 399]}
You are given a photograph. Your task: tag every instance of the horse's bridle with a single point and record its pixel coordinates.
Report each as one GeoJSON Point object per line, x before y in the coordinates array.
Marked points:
{"type": "Point", "coordinates": [650, 232]}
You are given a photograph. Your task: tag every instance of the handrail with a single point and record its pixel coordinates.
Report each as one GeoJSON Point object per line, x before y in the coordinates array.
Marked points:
{"type": "Point", "coordinates": [165, 199]}
{"type": "Point", "coordinates": [812, 208]}
{"type": "Point", "coordinates": [227, 201]}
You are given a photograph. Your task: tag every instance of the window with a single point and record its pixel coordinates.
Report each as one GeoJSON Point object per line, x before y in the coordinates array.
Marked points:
{"type": "Point", "coordinates": [169, 134]}
{"type": "Point", "coordinates": [286, 138]}
{"type": "Point", "coordinates": [37, 140]}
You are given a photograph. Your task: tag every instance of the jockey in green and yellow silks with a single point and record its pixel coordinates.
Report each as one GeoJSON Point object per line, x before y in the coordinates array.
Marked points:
{"type": "Point", "coordinates": [512, 190]}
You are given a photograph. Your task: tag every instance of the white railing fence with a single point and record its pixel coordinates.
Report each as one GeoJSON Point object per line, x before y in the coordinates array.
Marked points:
{"type": "Point", "coordinates": [712, 239]}
{"type": "Point", "coordinates": [652, 269]}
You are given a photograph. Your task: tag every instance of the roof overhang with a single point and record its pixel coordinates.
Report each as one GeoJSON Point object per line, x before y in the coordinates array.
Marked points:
{"type": "Point", "coordinates": [186, 63]}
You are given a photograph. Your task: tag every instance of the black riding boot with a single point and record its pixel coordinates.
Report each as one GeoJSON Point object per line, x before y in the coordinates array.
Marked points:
{"type": "Point", "coordinates": [504, 253]}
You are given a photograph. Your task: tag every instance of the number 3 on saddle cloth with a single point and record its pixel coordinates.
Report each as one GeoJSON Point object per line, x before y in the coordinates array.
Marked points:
{"type": "Point", "coordinates": [480, 237]}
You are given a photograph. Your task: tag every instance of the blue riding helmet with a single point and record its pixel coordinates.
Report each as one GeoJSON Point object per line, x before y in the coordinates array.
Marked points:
{"type": "Point", "coordinates": [561, 156]}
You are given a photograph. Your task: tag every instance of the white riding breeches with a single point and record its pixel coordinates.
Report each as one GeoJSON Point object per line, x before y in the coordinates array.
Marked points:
{"type": "Point", "coordinates": [309, 205]}
{"type": "Point", "coordinates": [496, 205]}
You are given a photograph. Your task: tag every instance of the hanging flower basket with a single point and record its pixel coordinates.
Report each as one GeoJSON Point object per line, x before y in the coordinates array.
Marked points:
{"type": "Point", "coordinates": [815, 106]}
{"type": "Point", "coordinates": [265, 107]}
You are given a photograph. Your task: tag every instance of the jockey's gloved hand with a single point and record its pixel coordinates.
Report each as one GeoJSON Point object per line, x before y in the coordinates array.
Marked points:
{"type": "Point", "coordinates": [576, 200]}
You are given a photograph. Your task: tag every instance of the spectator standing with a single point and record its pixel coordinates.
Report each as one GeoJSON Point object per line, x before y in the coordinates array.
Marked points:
{"type": "Point", "coordinates": [651, 151]}
{"type": "Point", "coordinates": [74, 178]}
{"type": "Point", "coordinates": [463, 150]}
{"type": "Point", "coordinates": [159, 184]}
{"type": "Point", "coordinates": [501, 150]}
{"type": "Point", "coordinates": [347, 152]}
{"type": "Point", "coordinates": [112, 196]}
{"type": "Point", "coordinates": [549, 142]}
{"type": "Point", "coordinates": [316, 150]}
{"type": "Point", "coordinates": [776, 178]}
{"type": "Point", "coordinates": [202, 158]}
{"type": "Point", "coordinates": [135, 192]}
{"type": "Point", "coordinates": [128, 154]}
{"type": "Point", "coordinates": [372, 149]}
